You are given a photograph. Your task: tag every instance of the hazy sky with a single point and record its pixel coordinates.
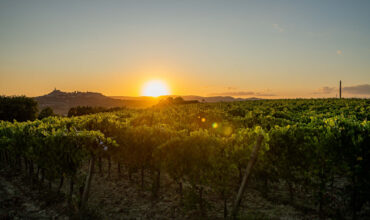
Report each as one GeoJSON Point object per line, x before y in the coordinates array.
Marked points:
{"type": "Point", "coordinates": [240, 48]}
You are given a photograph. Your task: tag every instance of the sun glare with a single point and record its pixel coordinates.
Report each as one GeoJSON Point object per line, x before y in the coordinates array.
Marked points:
{"type": "Point", "coordinates": [155, 88]}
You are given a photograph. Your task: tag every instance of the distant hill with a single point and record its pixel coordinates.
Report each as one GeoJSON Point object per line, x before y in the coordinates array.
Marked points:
{"type": "Point", "coordinates": [188, 98]}
{"type": "Point", "coordinates": [216, 98]}
{"type": "Point", "coordinates": [61, 102]}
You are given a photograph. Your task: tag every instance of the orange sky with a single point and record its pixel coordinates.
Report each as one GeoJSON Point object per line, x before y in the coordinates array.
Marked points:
{"type": "Point", "coordinates": [238, 48]}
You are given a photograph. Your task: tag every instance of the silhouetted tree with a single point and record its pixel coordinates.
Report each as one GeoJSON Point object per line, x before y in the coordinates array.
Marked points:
{"type": "Point", "coordinates": [176, 101]}
{"type": "Point", "coordinates": [46, 112]}
{"type": "Point", "coordinates": [20, 108]}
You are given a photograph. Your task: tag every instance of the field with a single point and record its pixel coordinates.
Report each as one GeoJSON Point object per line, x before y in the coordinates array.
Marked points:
{"type": "Point", "coordinates": [298, 159]}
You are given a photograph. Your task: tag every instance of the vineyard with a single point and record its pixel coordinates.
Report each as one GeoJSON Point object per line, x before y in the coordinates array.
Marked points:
{"type": "Point", "coordinates": [311, 154]}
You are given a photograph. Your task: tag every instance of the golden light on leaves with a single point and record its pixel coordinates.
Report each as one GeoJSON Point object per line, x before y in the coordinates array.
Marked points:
{"type": "Point", "coordinates": [228, 130]}
{"type": "Point", "coordinates": [155, 88]}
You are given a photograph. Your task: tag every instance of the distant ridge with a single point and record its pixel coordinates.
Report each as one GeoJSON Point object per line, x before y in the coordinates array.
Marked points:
{"type": "Point", "coordinates": [189, 97]}
{"type": "Point", "coordinates": [61, 101]}
{"type": "Point", "coordinates": [58, 93]}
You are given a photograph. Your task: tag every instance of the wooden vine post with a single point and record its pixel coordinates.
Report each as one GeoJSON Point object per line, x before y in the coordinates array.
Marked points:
{"type": "Point", "coordinates": [85, 195]}
{"type": "Point", "coordinates": [243, 185]}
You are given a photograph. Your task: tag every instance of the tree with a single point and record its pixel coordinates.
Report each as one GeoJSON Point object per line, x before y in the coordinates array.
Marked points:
{"type": "Point", "coordinates": [46, 112]}
{"type": "Point", "coordinates": [20, 108]}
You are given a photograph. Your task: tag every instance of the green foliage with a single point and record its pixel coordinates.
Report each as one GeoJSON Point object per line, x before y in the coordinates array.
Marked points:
{"type": "Point", "coordinates": [46, 112]}
{"type": "Point", "coordinates": [19, 108]}
{"type": "Point", "coordinates": [87, 110]}
{"type": "Point", "coordinates": [318, 146]}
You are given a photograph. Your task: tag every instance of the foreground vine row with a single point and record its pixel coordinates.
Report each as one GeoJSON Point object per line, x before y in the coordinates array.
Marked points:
{"type": "Point", "coordinates": [319, 149]}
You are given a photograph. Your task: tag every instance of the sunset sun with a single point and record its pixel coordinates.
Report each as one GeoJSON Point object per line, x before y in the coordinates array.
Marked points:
{"type": "Point", "coordinates": [155, 88]}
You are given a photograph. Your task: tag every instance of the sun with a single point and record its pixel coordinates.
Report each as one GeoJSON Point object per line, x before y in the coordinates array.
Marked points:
{"type": "Point", "coordinates": [155, 88]}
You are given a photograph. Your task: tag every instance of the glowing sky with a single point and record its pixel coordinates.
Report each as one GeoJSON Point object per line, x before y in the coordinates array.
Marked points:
{"type": "Point", "coordinates": [202, 47]}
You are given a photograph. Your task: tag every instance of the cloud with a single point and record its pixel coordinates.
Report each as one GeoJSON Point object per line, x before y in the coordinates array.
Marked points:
{"type": "Point", "coordinates": [339, 52]}
{"type": "Point", "coordinates": [264, 94]}
{"type": "Point", "coordinates": [241, 94]}
{"type": "Point", "coordinates": [359, 89]}
{"type": "Point", "coordinates": [355, 90]}
{"type": "Point", "coordinates": [277, 27]}
{"type": "Point", "coordinates": [325, 90]}
{"type": "Point", "coordinates": [238, 93]}
{"type": "Point", "coordinates": [231, 88]}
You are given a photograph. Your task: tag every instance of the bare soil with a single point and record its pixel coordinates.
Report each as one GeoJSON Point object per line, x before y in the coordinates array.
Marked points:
{"type": "Point", "coordinates": [117, 197]}
{"type": "Point", "coordinates": [19, 201]}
